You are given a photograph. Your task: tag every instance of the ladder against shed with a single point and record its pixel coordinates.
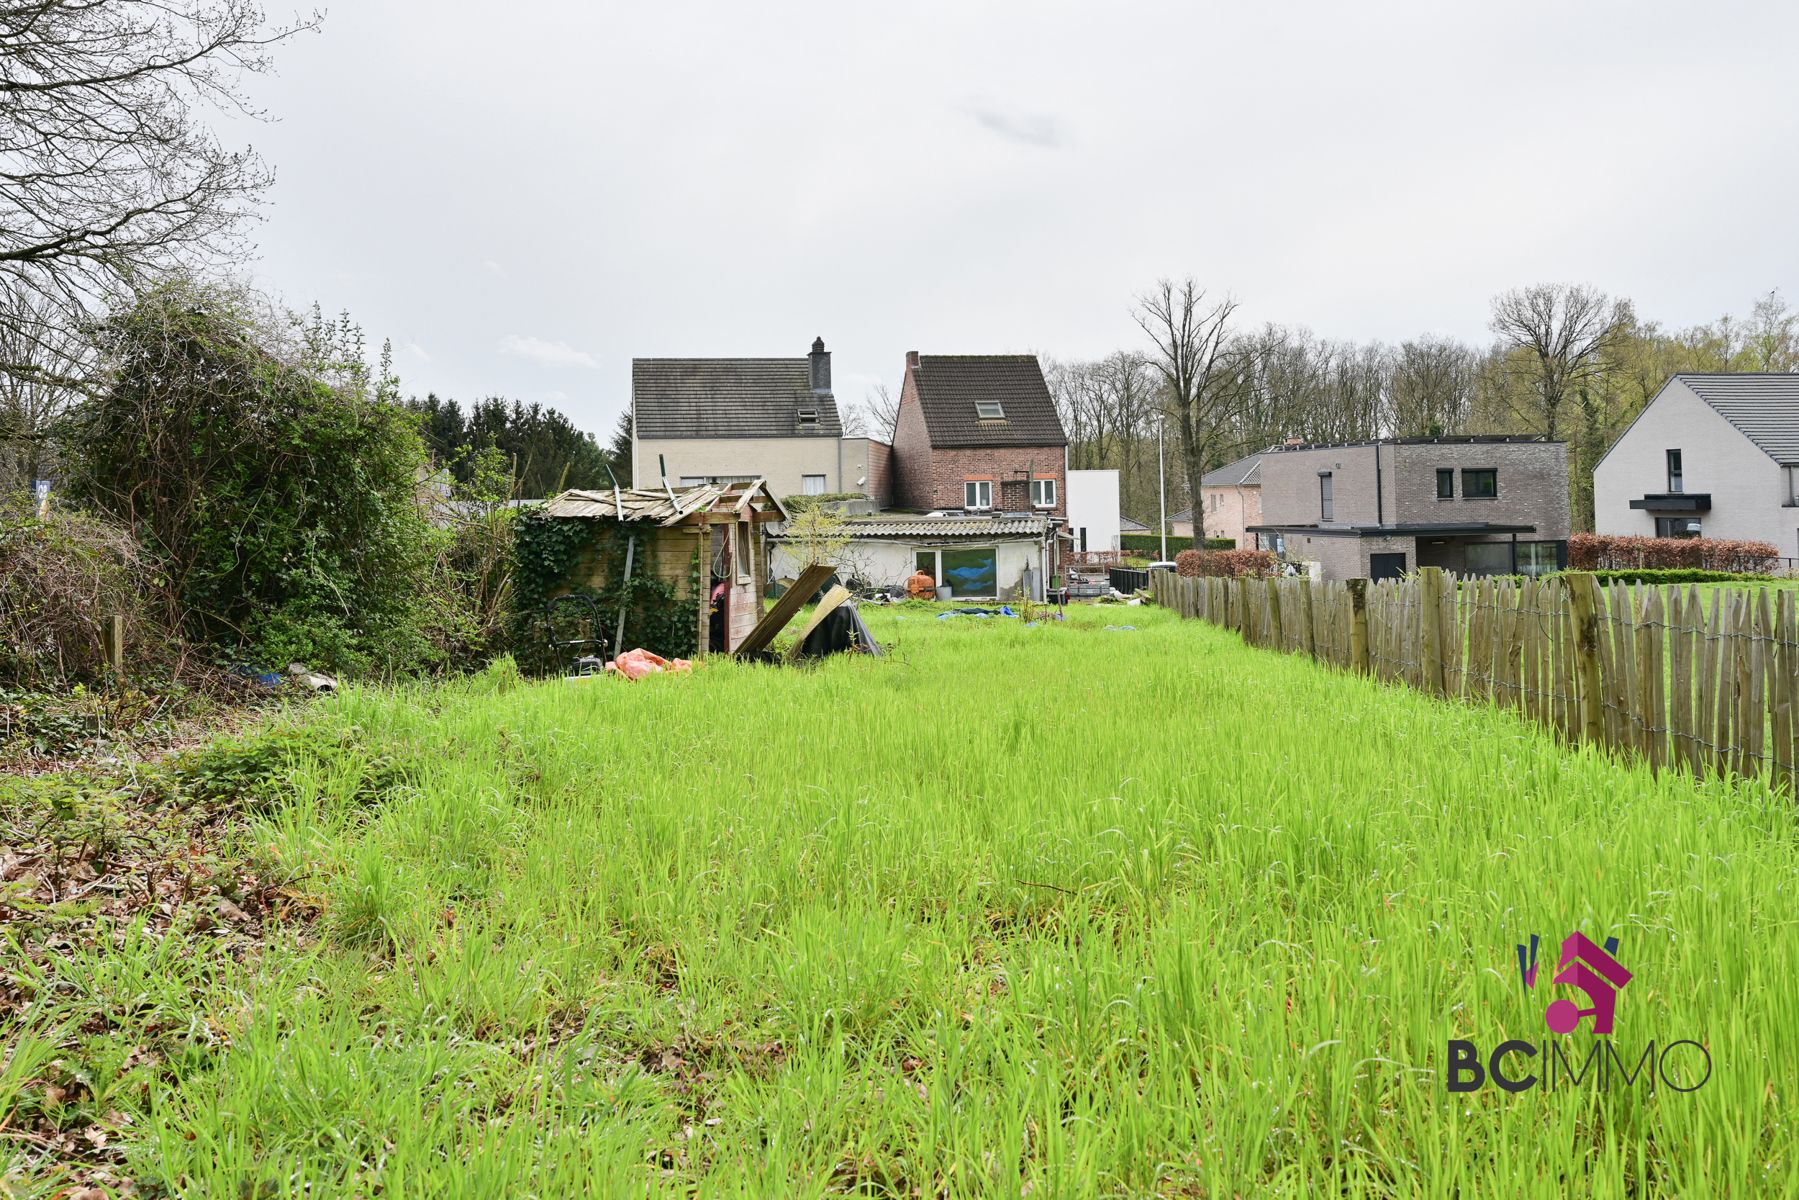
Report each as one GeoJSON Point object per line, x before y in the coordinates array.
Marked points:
{"type": "Point", "coordinates": [723, 524]}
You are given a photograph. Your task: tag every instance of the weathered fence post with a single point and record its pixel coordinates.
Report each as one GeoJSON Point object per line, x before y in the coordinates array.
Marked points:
{"type": "Point", "coordinates": [1583, 602]}
{"type": "Point", "coordinates": [112, 642]}
{"type": "Point", "coordinates": [1306, 614]}
{"type": "Point", "coordinates": [1430, 615]}
{"type": "Point", "coordinates": [1243, 618]}
{"type": "Point", "coordinates": [1358, 626]}
{"type": "Point", "coordinates": [1276, 637]}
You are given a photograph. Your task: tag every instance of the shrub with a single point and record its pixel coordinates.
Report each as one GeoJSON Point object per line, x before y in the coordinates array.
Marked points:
{"type": "Point", "coordinates": [1618, 552]}
{"type": "Point", "coordinates": [278, 486]}
{"type": "Point", "coordinates": [1228, 563]}
{"type": "Point", "coordinates": [61, 580]}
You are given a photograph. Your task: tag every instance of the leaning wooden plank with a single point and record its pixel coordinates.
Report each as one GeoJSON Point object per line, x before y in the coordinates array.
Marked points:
{"type": "Point", "coordinates": [826, 607]}
{"type": "Point", "coordinates": [785, 609]}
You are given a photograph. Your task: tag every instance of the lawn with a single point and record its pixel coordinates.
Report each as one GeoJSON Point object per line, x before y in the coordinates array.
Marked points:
{"type": "Point", "coordinates": [1058, 910]}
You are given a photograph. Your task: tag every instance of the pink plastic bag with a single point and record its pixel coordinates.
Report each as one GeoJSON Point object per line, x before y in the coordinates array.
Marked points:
{"type": "Point", "coordinates": [635, 664]}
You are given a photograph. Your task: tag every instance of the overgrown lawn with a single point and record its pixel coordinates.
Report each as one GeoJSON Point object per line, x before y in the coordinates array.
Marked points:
{"type": "Point", "coordinates": [1056, 909]}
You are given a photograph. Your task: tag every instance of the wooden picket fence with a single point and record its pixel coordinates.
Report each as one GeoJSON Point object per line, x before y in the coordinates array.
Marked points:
{"type": "Point", "coordinates": [1707, 683]}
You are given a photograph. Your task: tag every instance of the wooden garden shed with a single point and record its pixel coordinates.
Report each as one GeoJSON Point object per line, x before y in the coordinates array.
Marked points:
{"type": "Point", "coordinates": [705, 545]}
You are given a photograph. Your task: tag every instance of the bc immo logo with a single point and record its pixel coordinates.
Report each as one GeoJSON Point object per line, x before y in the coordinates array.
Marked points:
{"type": "Point", "coordinates": [1594, 971]}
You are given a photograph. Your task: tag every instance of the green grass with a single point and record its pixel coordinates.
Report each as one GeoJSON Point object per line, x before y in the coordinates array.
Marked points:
{"type": "Point", "coordinates": [1056, 909]}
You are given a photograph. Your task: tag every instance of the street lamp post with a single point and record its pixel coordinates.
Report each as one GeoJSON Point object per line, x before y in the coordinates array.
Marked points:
{"type": "Point", "coordinates": [1162, 487]}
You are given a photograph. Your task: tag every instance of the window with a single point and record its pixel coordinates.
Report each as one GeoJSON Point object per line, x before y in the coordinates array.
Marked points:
{"type": "Point", "coordinates": [1446, 483]}
{"type": "Point", "coordinates": [989, 410]}
{"type": "Point", "coordinates": [1212, 502]}
{"type": "Point", "coordinates": [1480, 483]}
{"type": "Point", "coordinates": [1674, 475]}
{"type": "Point", "coordinates": [1540, 558]}
{"type": "Point", "coordinates": [1043, 493]}
{"type": "Point", "coordinates": [692, 480]}
{"type": "Point", "coordinates": [812, 485]}
{"type": "Point", "coordinates": [977, 493]}
{"type": "Point", "coordinates": [1676, 527]}
{"type": "Point", "coordinates": [1793, 485]}
{"type": "Point", "coordinates": [971, 572]}
{"type": "Point", "coordinates": [1327, 508]}
{"type": "Point", "coordinates": [1488, 558]}
{"type": "Point", "coordinates": [808, 418]}
{"type": "Point", "coordinates": [966, 572]}
{"type": "Point", "coordinates": [745, 554]}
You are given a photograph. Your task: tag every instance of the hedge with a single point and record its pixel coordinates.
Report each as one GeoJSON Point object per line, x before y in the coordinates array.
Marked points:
{"type": "Point", "coordinates": [1228, 563]}
{"type": "Point", "coordinates": [1671, 575]}
{"type": "Point", "coordinates": [1151, 544]}
{"type": "Point", "coordinates": [1615, 552]}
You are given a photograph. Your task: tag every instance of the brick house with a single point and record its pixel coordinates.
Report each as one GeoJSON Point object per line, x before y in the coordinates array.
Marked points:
{"type": "Point", "coordinates": [1491, 505]}
{"type": "Point", "coordinates": [979, 433]}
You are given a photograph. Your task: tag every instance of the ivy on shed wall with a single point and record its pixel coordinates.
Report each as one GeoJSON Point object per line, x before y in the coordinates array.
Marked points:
{"type": "Point", "coordinates": [558, 556]}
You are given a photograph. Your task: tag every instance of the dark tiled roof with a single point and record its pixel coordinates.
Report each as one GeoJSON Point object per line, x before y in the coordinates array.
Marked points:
{"type": "Point", "coordinates": [728, 398]}
{"type": "Point", "coordinates": [949, 385]}
{"type": "Point", "coordinates": [1131, 525]}
{"type": "Point", "coordinates": [1764, 409]}
{"type": "Point", "coordinates": [1245, 472]}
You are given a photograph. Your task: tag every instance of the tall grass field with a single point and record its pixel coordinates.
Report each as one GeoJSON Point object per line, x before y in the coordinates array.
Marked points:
{"type": "Point", "coordinates": [1062, 909]}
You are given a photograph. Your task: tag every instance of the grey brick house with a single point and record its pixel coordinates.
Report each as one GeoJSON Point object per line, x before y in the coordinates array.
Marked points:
{"type": "Point", "coordinates": [1472, 505]}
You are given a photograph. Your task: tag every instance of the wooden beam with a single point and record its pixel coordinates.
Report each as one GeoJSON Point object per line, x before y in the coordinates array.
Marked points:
{"type": "Point", "coordinates": [784, 610]}
{"type": "Point", "coordinates": [831, 603]}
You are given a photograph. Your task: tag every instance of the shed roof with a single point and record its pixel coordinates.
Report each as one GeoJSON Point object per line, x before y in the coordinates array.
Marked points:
{"type": "Point", "coordinates": [643, 504]}
{"type": "Point", "coordinates": [1763, 407]}
{"type": "Point", "coordinates": [951, 385]}
{"type": "Point", "coordinates": [729, 398]}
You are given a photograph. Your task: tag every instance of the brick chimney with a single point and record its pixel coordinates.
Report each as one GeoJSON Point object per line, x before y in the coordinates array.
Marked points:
{"type": "Point", "coordinates": [911, 360]}
{"type": "Point", "coordinates": [821, 368]}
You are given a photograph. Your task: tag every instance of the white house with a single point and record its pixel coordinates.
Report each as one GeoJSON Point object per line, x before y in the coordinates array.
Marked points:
{"type": "Point", "coordinates": [1093, 509]}
{"type": "Point", "coordinates": [974, 556]}
{"type": "Point", "coordinates": [1711, 455]}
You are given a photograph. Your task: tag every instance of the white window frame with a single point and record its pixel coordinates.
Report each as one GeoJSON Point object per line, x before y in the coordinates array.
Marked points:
{"type": "Point", "coordinates": [1043, 493]}
{"type": "Point", "coordinates": [977, 494]}
{"type": "Point", "coordinates": [744, 553]}
{"type": "Point", "coordinates": [989, 410]}
{"type": "Point", "coordinates": [807, 488]}
{"type": "Point", "coordinates": [1793, 486]}
{"type": "Point", "coordinates": [936, 553]}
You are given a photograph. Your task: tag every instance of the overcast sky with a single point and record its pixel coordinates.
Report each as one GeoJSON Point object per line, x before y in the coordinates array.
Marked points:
{"type": "Point", "coordinates": [526, 196]}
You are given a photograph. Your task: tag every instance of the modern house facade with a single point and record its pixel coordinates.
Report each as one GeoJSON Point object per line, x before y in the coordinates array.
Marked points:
{"type": "Point", "coordinates": [979, 433]}
{"type": "Point", "coordinates": [1491, 505]}
{"type": "Point", "coordinates": [732, 420]}
{"type": "Point", "coordinates": [1710, 455]}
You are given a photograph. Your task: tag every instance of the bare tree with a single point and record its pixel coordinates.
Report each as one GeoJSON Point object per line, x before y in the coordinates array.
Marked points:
{"type": "Point", "coordinates": [109, 174]}
{"type": "Point", "coordinates": [1432, 388]}
{"type": "Point", "coordinates": [1193, 349]}
{"type": "Point", "coordinates": [1561, 333]}
{"type": "Point", "coordinates": [873, 416]}
{"type": "Point", "coordinates": [32, 401]}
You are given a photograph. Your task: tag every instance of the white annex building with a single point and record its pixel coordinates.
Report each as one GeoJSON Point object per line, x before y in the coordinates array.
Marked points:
{"type": "Point", "coordinates": [1712, 456]}
{"type": "Point", "coordinates": [1093, 519]}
